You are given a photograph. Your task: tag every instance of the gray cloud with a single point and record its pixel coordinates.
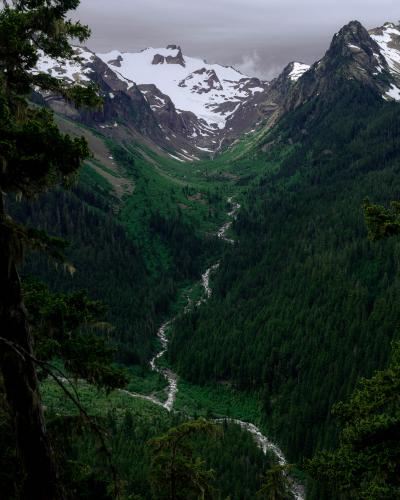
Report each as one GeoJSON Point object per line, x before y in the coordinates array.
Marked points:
{"type": "Point", "coordinates": [258, 36]}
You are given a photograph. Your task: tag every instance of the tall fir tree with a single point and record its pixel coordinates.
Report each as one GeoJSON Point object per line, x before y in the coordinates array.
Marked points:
{"type": "Point", "coordinates": [175, 473]}
{"type": "Point", "coordinates": [34, 157]}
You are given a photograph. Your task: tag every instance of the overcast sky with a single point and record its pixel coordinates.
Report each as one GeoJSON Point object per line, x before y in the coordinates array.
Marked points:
{"type": "Point", "coordinates": [257, 36]}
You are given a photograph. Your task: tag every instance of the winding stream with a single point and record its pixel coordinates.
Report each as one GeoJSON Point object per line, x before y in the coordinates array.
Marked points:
{"type": "Point", "coordinates": [172, 378]}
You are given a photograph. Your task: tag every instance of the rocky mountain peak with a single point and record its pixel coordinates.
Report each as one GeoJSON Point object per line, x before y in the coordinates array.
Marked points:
{"type": "Point", "coordinates": [281, 86]}
{"type": "Point", "coordinates": [171, 57]}
{"type": "Point", "coordinates": [353, 42]}
{"type": "Point", "coordinates": [116, 62]}
{"type": "Point", "coordinates": [202, 81]}
{"type": "Point", "coordinates": [354, 55]}
{"type": "Point", "coordinates": [353, 29]}
{"type": "Point", "coordinates": [372, 58]}
{"type": "Point", "coordinates": [174, 47]}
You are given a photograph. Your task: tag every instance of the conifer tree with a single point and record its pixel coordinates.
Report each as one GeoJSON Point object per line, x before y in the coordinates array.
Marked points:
{"type": "Point", "coordinates": [175, 473]}
{"type": "Point", "coordinates": [34, 157]}
{"type": "Point", "coordinates": [366, 464]}
{"type": "Point", "coordinates": [382, 222]}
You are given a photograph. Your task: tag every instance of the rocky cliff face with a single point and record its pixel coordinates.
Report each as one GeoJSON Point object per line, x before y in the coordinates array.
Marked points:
{"type": "Point", "coordinates": [170, 59]}
{"type": "Point", "coordinates": [180, 128]}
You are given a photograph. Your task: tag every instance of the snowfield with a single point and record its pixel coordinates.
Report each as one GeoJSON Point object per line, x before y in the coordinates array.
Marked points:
{"type": "Point", "coordinates": [71, 71]}
{"type": "Point", "coordinates": [393, 93]}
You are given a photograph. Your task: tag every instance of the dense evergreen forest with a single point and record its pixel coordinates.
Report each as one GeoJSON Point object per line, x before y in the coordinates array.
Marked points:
{"type": "Point", "coordinates": [304, 304]}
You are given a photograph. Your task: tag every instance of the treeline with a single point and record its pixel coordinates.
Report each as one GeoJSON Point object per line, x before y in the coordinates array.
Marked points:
{"type": "Point", "coordinates": [303, 304]}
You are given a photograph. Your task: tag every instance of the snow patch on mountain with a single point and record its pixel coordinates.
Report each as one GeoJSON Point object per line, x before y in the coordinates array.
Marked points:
{"type": "Point", "coordinates": [298, 70]}
{"type": "Point", "coordinates": [393, 93]}
{"type": "Point", "coordinates": [388, 39]}
{"type": "Point", "coordinates": [69, 70]}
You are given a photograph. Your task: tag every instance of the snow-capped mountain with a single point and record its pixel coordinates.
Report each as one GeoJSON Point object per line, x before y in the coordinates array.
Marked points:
{"type": "Point", "coordinates": [189, 99]}
{"type": "Point", "coordinates": [191, 84]}
{"type": "Point", "coordinates": [388, 39]}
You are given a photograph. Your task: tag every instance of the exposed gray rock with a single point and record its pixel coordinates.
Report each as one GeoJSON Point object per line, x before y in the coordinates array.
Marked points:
{"type": "Point", "coordinates": [178, 59]}
{"type": "Point", "coordinates": [158, 59]}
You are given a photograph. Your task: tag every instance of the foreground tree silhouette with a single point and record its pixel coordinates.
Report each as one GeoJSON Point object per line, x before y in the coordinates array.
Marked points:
{"type": "Point", "coordinates": [175, 473]}
{"type": "Point", "coordinates": [34, 156]}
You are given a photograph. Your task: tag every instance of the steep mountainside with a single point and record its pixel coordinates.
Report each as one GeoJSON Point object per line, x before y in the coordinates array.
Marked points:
{"type": "Point", "coordinates": [303, 304]}
{"type": "Point", "coordinates": [355, 55]}
{"type": "Point", "coordinates": [123, 103]}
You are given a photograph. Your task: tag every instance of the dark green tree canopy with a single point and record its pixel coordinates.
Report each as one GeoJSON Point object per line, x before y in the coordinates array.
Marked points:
{"type": "Point", "coordinates": [382, 222]}
{"type": "Point", "coordinates": [175, 472]}
{"type": "Point", "coordinates": [64, 327]}
{"type": "Point", "coordinates": [366, 465]}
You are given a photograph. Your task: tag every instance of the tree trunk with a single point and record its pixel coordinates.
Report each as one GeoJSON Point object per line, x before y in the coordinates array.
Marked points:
{"type": "Point", "coordinates": [40, 479]}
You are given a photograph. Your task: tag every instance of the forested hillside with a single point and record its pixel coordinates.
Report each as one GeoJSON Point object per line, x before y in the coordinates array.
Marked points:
{"type": "Point", "coordinates": [304, 304]}
{"type": "Point", "coordinates": [133, 254]}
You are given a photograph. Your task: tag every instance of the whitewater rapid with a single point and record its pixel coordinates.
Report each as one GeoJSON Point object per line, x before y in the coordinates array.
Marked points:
{"type": "Point", "coordinates": [260, 439]}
